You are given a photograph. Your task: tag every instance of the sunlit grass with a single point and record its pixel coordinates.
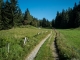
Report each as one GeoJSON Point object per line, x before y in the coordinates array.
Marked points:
{"type": "Point", "coordinates": [69, 43]}
{"type": "Point", "coordinates": [15, 37]}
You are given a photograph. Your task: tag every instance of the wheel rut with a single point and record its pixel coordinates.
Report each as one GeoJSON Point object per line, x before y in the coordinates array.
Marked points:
{"type": "Point", "coordinates": [32, 55]}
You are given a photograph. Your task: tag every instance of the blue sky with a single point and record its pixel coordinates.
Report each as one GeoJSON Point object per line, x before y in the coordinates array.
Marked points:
{"type": "Point", "coordinates": [45, 8]}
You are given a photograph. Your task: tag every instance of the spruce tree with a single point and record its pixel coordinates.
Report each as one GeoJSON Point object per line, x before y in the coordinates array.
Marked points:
{"type": "Point", "coordinates": [1, 2]}
{"type": "Point", "coordinates": [27, 18]}
{"type": "Point", "coordinates": [58, 20]}
{"type": "Point", "coordinates": [14, 11]}
{"type": "Point", "coordinates": [34, 22]}
{"type": "Point", "coordinates": [6, 15]}
{"type": "Point", "coordinates": [53, 23]}
{"type": "Point", "coordinates": [19, 18]}
{"type": "Point", "coordinates": [44, 22]}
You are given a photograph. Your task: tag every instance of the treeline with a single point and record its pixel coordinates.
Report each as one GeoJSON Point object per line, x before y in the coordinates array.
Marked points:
{"type": "Point", "coordinates": [30, 20]}
{"type": "Point", "coordinates": [69, 18]}
{"type": "Point", "coordinates": [11, 16]}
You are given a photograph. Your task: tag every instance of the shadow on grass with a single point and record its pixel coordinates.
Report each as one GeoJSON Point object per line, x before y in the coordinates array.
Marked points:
{"type": "Point", "coordinates": [60, 56]}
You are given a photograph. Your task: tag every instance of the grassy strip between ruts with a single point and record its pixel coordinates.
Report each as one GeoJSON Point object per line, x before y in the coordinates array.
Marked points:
{"type": "Point", "coordinates": [15, 37]}
{"type": "Point", "coordinates": [45, 52]}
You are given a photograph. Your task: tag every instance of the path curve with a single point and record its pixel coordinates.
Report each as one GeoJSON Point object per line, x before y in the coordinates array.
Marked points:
{"type": "Point", "coordinates": [32, 55]}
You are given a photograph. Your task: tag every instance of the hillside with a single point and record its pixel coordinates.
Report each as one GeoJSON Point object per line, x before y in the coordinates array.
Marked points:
{"type": "Point", "coordinates": [13, 45]}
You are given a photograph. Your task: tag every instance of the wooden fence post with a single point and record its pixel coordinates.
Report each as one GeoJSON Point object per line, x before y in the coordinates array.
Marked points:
{"type": "Point", "coordinates": [8, 47]}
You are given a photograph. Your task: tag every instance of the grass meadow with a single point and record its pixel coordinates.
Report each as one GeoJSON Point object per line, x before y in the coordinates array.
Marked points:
{"type": "Point", "coordinates": [68, 41]}
{"type": "Point", "coordinates": [15, 39]}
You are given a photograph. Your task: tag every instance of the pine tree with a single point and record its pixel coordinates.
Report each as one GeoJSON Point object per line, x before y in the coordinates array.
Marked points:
{"type": "Point", "coordinates": [27, 18]}
{"type": "Point", "coordinates": [77, 19]}
{"type": "Point", "coordinates": [1, 1]}
{"type": "Point", "coordinates": [44, 22]}
{"type": "Point", "coordinates": [65, 19]}
{"type": "Point", "coordinates": [34, 22]}
{"type": "Point", "coordinates": [19, 18]}
{"type": "Point", "coordinates": [14, 11]}
{"type": "Point", "coordinates": [69, 18]}
{"type": "Point", "coordinates": [58, 20]}
{"type": "Point", "coordinates": [47, 23]}
{"type": "Point", "coordinates": [40, 23]}
{"type": "Point", "coordinates": [70, 14]}
{"type": "Point", "coordinates": [6, 15]}
{"type": "Point", "coordinates": [53, 23]}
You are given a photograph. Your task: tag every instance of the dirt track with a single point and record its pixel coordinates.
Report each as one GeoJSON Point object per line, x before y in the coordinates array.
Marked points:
{"type": "Point", "coordinates": [32, 55]}
{"type": "Point", "coordinates": [54, 50]}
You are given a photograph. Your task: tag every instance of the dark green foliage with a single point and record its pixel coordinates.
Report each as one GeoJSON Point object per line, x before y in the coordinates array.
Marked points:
{"type": "Point", "coordinates": [34, 22]}
{"type": "Point", "coordinates": [27, 18]}
{"type": "Point", "coordinates": [14, 11]}
{"type": "Point", "coordinates": [58, 20]}
{"type": "Point", "coordinates": [30, 20]}
{"type": "Point", "coordinates": [1, 2]}
{"type": "Point", "coordinates": [62, 19]}
{"type": "Point", "coordinates": [19, 18]}
{"type": "Point", "coordinates": [53, 23]}
{"type": "Point", "coordinates": [70, 14]}
{"type": "Point", "coordinates": [10, 14]}
{"type": "Point", "coordinates": [48, 24]}
{"type": "Point", "coordinates": [45, 23]}
{"type": "Point", "coordinates": [68, 18]}
{"type": "Point", "coordinates": [6, 15]}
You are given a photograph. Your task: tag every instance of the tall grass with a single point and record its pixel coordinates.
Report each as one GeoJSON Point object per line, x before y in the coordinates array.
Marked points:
{"type": "Point", "coordinates": [68, 43]}
{"type": "Point", "coordinates": [15, 37]}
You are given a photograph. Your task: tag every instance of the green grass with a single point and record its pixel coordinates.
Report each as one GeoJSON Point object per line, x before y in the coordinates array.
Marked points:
{"type": "Point", "coordinates": [45, 52]}
{"type": "Point", "coordinates": [15, 38]}
{"type": "Point", "coordinates": [69, 43]}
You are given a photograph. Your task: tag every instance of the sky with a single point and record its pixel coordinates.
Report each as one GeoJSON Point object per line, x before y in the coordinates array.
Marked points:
{"type": "Point", "coordinates": [45, 8]}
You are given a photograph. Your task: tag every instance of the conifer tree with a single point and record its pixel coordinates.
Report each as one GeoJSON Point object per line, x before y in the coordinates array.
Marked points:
{"type": "Point", "coordinates": [1, 2]}
{"type": "Point", "coordinates": [14, 11]}
{"type": "Point", "coordinates": [6, 15]}
{"type": "Point", "coordinates": [27, 18]}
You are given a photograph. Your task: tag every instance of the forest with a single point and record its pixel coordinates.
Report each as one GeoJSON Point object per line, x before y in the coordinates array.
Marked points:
{"type": "Point", "coordinates": [12, 16]}
{"type": "Point", "coordinates": [69, 18]}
